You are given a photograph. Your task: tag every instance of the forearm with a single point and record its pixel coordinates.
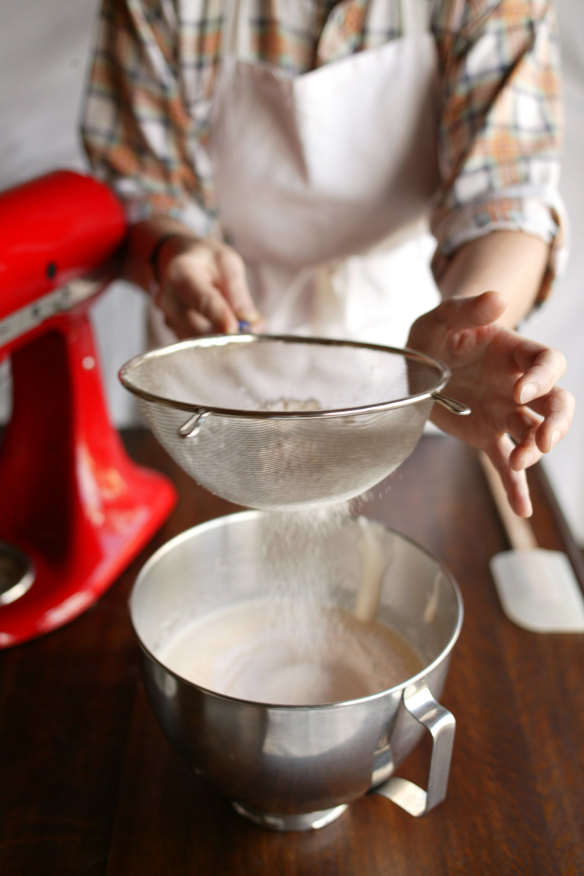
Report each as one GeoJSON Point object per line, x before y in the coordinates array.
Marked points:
{"type": "Point", "coordinates": [509, 262]}
{"type": "Point", "coordinates": [141, 240]}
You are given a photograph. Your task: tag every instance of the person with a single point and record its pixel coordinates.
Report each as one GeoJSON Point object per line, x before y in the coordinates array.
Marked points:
{"type": "Point", "coordinates": [275, 158]}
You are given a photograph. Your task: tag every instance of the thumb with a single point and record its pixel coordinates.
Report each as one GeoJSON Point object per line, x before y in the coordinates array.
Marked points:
{"type": "Point", "coordinates": [473, 312]}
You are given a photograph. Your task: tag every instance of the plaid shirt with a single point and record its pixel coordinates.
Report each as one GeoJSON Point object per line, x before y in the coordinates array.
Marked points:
{"type": "Point", "coordinates": [156, 62]}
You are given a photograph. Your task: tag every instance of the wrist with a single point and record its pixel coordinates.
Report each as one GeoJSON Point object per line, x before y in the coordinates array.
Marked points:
{"type": "Point", "coordinates": [155, 257]}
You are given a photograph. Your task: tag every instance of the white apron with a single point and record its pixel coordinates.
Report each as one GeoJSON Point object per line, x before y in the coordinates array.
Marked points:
{"type": "Point", "coordinates": [324, 181]}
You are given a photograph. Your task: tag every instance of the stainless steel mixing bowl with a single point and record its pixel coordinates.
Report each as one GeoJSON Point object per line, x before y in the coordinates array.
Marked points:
{"type": "Point", "coordinates": [297, 767]}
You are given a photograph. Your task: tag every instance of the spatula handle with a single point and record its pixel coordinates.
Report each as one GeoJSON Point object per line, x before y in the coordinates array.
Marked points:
{"type": "Point", "coordinates": [519, 531]}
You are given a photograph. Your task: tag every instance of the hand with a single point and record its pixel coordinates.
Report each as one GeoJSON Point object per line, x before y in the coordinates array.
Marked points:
{"type": "Point", "coordinates": [518, 413]}
{"type": "Point", "coordinates": [203, 287]}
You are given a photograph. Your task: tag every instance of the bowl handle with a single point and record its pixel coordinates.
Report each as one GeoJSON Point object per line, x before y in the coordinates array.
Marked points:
{"type": "Point", "coordinates": [441, 724]}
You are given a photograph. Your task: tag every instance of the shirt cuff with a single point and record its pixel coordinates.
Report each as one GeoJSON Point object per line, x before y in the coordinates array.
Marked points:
{"type": "Point", "coordinates": [140, 205]}
{"type": "Point", "coordinates": [543, 219]}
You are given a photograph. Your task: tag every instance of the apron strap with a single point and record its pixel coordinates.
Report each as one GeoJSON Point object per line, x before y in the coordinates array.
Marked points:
{"type": "Point", "coordinates": [414, 16]}
{"type": "Point", "coordinates": [235, 31]}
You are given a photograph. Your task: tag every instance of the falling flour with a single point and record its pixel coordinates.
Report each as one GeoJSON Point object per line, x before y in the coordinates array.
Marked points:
{"type": "Point", "coordinates": [294, 645]}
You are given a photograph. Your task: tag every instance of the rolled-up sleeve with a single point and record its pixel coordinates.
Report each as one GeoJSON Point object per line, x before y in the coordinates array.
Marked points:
{"type": "Point", "coordinates": [501, 127]}
{"type": "Point", "coordinates": [137, 131]}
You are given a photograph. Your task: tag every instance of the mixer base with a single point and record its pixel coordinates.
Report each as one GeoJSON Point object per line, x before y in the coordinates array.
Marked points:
{"type": "Point", "coordinates": [16, 573]}
{"type": "Point", "coordinates": [298, 821]}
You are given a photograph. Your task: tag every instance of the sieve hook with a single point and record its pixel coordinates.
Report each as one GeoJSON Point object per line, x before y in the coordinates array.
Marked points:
{"type": "Point", "coordinates": [451, 404]}
{"type": "Point", "coordinates": [191, 428]}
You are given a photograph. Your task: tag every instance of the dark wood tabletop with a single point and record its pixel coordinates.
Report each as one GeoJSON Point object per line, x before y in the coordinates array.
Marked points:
{"type": "Point", "coordinates": [89, 784]}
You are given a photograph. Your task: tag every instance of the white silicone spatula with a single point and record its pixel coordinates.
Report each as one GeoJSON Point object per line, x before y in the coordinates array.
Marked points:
{"type": "Point", "coordinates": [537, 588]}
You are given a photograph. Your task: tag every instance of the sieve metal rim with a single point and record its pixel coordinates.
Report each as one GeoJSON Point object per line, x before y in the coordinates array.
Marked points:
{"type": "Point", "coordinates": [125, 377]}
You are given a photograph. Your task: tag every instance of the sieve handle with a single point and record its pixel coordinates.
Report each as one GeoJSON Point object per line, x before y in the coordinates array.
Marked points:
{"type": "Point", "coordinates": [451, 404]}
{"type": "Point", "coordinates": [192, 427]}
{"type": "Point", "coordinates": [440, 723]}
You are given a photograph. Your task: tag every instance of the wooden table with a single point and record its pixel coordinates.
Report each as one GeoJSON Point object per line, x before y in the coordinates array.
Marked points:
{"type": "Point", "coordinates": [89, 785]}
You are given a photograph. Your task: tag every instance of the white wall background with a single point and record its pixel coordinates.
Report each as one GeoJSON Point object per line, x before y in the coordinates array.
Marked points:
{"type": "Point", "coordinates": [44, 52]}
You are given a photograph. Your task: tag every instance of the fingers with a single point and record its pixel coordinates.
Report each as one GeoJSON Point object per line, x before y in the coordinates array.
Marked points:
{"type": "Point", "coordinates": [192, 304]}
{"type": "Point", "coordinates": [556, 409]}
{"type": "Point", "coordinates": [531, 435]}
{"type": "Point", "coordinates": [511, 461]}
{"type": "Point", "coordinates": [204, 289]}
{"type": "Point", "coordinates": [537, 390]}
{"type": "Point", "coordinates": [183, 322]}
{"type": "Point", "coordinates": [536, 429]}
{"type": "Point", "coordinates": [233, 283]}
{"type": "Point", "coordinates": [514, 481]}
{"type": "Point", "coordinates": [542, 367]}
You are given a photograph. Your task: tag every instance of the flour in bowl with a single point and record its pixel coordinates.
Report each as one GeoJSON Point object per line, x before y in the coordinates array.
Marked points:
{"type": "Point", "coordinates": [281, 652]}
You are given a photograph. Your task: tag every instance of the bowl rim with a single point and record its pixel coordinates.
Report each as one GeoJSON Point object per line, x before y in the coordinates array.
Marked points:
{"type": "Point", "coordinates": [232, 519]}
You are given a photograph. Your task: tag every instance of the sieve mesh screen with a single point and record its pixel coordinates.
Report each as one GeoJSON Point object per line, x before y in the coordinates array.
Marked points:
{"type": "Point", "coordinates": [285, 421]}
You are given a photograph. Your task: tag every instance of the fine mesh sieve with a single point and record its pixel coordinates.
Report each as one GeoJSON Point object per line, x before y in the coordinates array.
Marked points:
{"type": "Point", "coordinates": [285, 421]}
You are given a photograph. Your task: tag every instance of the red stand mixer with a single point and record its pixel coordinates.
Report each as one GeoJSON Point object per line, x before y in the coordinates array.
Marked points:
{"type": "Point", "coordinates": [74, 509]}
